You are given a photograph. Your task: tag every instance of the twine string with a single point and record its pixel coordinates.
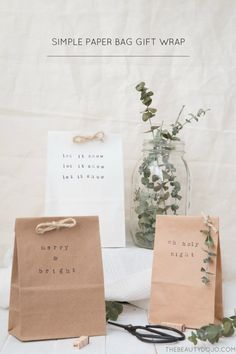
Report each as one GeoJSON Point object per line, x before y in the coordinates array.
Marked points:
{"type": "Point", "coordinates": [55, 225]}
{"type": "Point", "coordinates": [99, 136]}
{"type": "Point", "coordinates": [208, 222]}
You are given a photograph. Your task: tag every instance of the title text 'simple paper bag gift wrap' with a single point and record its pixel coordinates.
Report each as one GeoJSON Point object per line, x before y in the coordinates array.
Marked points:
{"type": "Point", "coordinates": [87, 179]}
{"type": "Point", "coordinates": [57, 288]}
{"type": "Point", "coordinates": [178, 294]}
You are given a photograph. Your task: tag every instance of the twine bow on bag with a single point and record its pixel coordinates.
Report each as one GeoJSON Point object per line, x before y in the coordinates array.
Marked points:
{"type": "Point", "coordinates": [209, 223]}
{"type": "Point", "coordinates": [99, 136]}
{"type": "Point", "coordinates": [55, 225]}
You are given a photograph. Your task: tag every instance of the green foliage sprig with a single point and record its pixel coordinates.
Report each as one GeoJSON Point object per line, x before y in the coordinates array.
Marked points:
{"type": "Point", "coordinates": [157, 131]}
{"type": "Point", "coordinates": [161, 192]}
{"type": "Point", "coordinates": [113, 310]}
{"type": "Point", "coordinates": [213, 332]}
{"type": "Point", "coordinates": [209, 242]}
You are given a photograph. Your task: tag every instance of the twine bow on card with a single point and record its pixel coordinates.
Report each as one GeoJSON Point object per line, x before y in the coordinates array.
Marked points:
{"type": "Point", "coordinates": [55, 225]}
{"type": "Point", "coordinates": [208, 222]}
{"type": "Point", "coordinates": [99, 136]}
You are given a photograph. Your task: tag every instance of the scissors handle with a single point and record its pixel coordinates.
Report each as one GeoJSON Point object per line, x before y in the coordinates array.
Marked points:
{"type": "Point", "coordinates": [166, 328]}
{"type": "Point", "coordinates": [150, 333]}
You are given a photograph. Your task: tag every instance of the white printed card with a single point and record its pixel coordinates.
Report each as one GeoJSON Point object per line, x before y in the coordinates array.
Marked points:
{"type": "Point", "coordinates": [86, 178]}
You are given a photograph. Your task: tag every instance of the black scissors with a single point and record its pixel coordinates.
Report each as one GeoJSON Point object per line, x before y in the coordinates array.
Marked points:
{"type": "Point", "coordinates": [153, 333]}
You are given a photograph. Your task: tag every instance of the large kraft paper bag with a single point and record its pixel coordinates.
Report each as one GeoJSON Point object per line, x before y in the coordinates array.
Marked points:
{"type": "Point", "coordinates": [57, 288]}
{"type": "Point", "coordinates": [178, 294]}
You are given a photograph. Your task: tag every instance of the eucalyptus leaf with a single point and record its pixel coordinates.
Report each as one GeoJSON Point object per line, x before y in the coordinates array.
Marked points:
{"type": "Point", "coordinates": [210, 253]}
{"type": "Point", "coordinates": [228, 328]}
{"type": "Point", "coordinates": [201, 334]}
{"type": "Point", "coordinates": [193, 338]}
{"type": "Point", "coordinates": [113, 310]}
{"type": "Point", "coordinates": [144, 180]}
{"type": "Point", "coordinates": [146, 116]}
{"type": "Point", "coordinates": [166, 195]}
{"type": "Point", "coordinates": [213, 333]}
{"type": "Point", "coordinates": [152, 110]}
{"type": "Point", "coordinates": [233, 318]}
{"type": "Point", "coordinates": [147, 173]}
{"type": "Point", "coordinates": [177, 186]}
{"type": "Point", "coordinates": [165, 175]}
{"type": "Point", "coordinates": [147, 101]}
{"type": "Point", "coordinates": [174, 207]}
{"type": "Point", "coordinates": [209, 241]}
{"type": "Point", "coordinates": [205, 280]}
{"type": "Point", "coordinates": [150, 236]}
{"type": "Point", "coordinates": [140, 86]}
{"type": "Point", "coordinates": [155, 178]}
{"type": "Point", "coordinates": [157, 188]}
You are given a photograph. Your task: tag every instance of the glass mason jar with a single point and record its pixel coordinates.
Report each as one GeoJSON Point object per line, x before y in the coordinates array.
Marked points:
{"type": "Point", "coordinates": [160, 186]}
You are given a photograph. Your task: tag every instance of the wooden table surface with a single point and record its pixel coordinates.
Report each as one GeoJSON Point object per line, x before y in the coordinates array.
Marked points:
{"type": "Point", "coordinates": [117, 341]}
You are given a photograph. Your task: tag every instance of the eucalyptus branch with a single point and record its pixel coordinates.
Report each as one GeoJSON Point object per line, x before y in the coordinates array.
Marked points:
{"type": "Point", "coordinates": [147, 100]}
{"type": "Point", "coordinates": [213, 332]}
{"type": "Point", "coordinates": [145, 97]}
{"type": "Point", "coordinates": [177, 126]}
{"type": "Point", "coordinates": [180, 112]}
{"type": "Point", "coordinates": [209, 242]}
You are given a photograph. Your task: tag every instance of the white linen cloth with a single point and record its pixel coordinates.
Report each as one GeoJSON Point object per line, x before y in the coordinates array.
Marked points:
{"type": "Point", "coordinates": [5, 280]}
{"type": "Point", "coordinates": [127, 273]}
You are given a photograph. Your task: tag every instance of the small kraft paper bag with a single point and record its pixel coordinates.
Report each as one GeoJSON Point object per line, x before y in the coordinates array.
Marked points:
{"type": "Point", "coordinates": [85, 177]}
{"type": "Point", "coordinates": [186, 274]}
{"type": "Point", "coordinates": [57, 287]}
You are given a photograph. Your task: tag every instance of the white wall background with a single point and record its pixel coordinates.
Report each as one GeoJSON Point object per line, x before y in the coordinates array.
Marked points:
{"type": "Point", "coordinates": [38, 94]}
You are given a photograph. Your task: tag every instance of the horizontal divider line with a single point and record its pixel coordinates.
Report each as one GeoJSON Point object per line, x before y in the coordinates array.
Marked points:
{"type": "Point", "coordinates": [118, 56]}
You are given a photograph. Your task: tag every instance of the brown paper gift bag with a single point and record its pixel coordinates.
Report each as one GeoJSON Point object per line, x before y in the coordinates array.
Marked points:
{"type": "Point", "coordinates": [57, 288]}
{"type": "Point", "coordinates": [178, 295]}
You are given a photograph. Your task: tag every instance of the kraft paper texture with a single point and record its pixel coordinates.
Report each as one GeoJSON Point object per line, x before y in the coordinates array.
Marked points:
{"type": "Point", "coordinates": [177, 292]}
{"type": "Point", "coordinates": [57, 288]}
